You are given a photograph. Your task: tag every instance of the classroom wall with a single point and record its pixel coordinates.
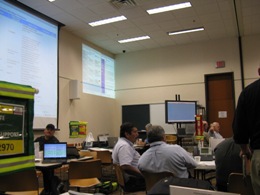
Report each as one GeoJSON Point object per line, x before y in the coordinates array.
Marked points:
{"type": "Point", "coordinates": [146, 77]}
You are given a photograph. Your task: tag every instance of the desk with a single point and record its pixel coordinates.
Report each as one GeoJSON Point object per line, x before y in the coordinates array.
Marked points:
{"type": "Point", "coordinates": [202, 168]}
{"type": "Point", "coordinates": [49, 179]}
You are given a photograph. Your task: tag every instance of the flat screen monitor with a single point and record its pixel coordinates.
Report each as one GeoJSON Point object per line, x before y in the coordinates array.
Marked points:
{"type": "Point", "coordinates": [180, 111]}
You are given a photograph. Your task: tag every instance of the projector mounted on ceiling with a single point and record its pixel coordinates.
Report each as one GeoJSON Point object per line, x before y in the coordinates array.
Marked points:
{"type": "Point", "coordinates": [120, 3]}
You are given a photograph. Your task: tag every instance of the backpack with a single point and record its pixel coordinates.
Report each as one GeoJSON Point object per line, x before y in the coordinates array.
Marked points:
{"type": "Point", "coordinates": [106, 187]}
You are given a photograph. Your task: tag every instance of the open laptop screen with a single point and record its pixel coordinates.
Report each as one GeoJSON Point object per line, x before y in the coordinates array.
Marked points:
{"type": "Point", "coordinates": [55, 151]}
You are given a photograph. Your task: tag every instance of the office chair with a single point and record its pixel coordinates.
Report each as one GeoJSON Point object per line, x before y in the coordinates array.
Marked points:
{"type": "Point", "coordinates": [24, 182]}
{"type": "Point", "coordinates": [238, 183]}
{"type": "Point", "coordinates": [84, 174]}
{"type": "Point", "coordinates": [107, 164]}
{"type": "Point", "coordinates": [153, 178]}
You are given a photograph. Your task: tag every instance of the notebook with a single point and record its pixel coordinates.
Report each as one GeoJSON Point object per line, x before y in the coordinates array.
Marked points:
{"type": "Point", "coordinates": [112, 141]}
{"type": "Point", "coordinates": [55, 153]}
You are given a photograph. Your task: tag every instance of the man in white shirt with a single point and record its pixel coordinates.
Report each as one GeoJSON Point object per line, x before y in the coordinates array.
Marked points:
{"type": "Point", "coordinates": [214, 131]}
{"type": "Point", "coordinates": [127, 157]}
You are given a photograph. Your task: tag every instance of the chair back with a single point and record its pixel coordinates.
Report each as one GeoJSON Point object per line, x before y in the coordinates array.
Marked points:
{"type": "Point", "coordinates": [171, 139]}
{"type": "Point", "coordinates": [85, 169]}
{"type": "Point", "coordinates": [119, 175]}
{"type": "Point", "coordinates": [237, 183]}
{"type": "Point", "coordinates": [21, 181]}
{"type": "Point", "coordinates": [88, 153]}
{"type": "Point", "coordinates": [105, 157]}
{"type": "Point", "coordinates": [153, 178]}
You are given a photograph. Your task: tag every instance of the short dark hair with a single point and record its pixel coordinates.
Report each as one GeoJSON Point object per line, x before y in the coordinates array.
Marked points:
{"type": "Point", "coordinates": [156, 133]}
{"type": "Point", "coordinates": [126, 128]}
{"type": "Point", "coordinates": [50, 127]}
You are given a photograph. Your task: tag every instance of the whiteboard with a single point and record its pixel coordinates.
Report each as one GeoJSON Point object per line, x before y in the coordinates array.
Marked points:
{"type": "Point", "coordinates": [157, 117]}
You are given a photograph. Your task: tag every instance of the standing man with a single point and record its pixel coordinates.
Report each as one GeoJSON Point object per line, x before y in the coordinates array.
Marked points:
{"type": "Point", "coordinates": [246, 128]}
{"type": "Point", "coordinates": [163, 157]}
{"type": "Point", "coordinates": [127, 157]}
{"type": "Point", "coordinates": [48, 136]}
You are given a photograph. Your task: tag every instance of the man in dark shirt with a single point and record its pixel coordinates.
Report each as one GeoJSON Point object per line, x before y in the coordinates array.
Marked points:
{"type": "Point", "coordinates": [227, 161]}
{"type": "Point", "coordinates": [48, 136]}
{"type": "Point", "coordinates": [246, 126]}
{"type": "Point", "coordinates": [50, 180]}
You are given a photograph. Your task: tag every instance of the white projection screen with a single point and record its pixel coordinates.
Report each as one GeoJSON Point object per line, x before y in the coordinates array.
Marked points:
{"type": "Point", "coordinates": [98, 73]}
{"type": "Point", "coordinates": [29, 56]}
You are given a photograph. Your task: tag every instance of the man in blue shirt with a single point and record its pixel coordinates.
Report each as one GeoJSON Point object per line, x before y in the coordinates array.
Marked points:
{"type": "Point", "coordinates": [163, 157]}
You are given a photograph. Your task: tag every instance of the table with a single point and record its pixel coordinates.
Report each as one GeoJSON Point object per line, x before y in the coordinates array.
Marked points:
{"type": "Point", "coordinates": [203, 168]}
{"type": "Point", "coordinates": [49, 179]}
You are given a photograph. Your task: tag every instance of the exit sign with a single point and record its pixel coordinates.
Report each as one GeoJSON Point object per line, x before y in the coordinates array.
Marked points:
{"type": "Point", "coordinates": [220, 64]}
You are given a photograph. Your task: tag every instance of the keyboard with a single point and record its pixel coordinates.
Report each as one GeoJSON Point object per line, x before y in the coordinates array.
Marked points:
{"type": "Point", "coordinates": [47, 161]}
{"type": "Point", "coordinates": [206, 157]}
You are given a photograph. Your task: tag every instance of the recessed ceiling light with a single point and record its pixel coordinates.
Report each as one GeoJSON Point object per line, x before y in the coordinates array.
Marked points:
{"type": "Point", "coordinates": [169, 8]}
{"type": "Point", "coordinates": [134, 39]}
{"type": "Point", "coordinates": [186, 31]}
{"type": "Point", "coordinates": [106, 21]}
{"type": "Point", "coordinates": [51, 0]}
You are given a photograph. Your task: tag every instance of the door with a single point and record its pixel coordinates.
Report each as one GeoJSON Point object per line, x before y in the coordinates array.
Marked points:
{"type": "Point", "coordinates": [220, 101]}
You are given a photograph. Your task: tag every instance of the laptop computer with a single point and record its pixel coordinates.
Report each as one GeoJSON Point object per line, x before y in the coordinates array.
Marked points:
{"type": "Point", "coordinates": [112, 141]}
{"type": "Point", "coordinates": [177, 190]}
{"type": "Point", "coordinates": [55, 152]}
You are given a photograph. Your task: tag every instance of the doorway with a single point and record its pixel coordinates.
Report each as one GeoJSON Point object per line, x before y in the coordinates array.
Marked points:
{"type": "Point", "coordinates": [220, 101]}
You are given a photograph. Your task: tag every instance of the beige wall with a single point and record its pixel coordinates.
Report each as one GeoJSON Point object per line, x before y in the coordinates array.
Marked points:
{"type": "Point", "coordinates": [149, 76]}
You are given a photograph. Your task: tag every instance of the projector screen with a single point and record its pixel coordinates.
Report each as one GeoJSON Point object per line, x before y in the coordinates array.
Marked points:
{"type": "Point", "coordinates": [28, 55]}
{"type": "Point", "coordinates": [98, 73]}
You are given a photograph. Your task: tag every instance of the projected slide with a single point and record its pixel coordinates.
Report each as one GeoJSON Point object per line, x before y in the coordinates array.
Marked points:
{"type": "Point", "coordinates": [28, 55]}
{"type": "Point", "coordinates": [98, 73]}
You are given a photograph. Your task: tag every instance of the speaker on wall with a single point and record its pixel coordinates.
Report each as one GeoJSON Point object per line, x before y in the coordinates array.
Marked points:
{"type": "Point", "coordinates": [74, 89]}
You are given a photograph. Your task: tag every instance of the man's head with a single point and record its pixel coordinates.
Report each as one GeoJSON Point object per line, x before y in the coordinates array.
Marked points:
{"type": "Point", "coordinates": [129, 131]}
{"type": "Point", "coordinates": [49, 131]}
{"type": "Point", "coordinates": [156, 133]}
{"type": "Point", "coordinates": [147, 127]}
{"type": "Point", "coordinates": [216, 126]}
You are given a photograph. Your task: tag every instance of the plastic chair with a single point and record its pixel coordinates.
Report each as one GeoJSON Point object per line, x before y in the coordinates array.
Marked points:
{"type": "Point", "coordinates": [153, 178]}
{"type": "Point", "coordinates": [83, 153]}
{"type": "Point", "coordinates": [84, 174]}
{"type": "Point", "coordinates": [22, 182]}
{"type": "Point", "coordinates": [171, 139]}
{"type": "Point", "coordinates": [121, 180]}
{"type": "Point", "coordinates": [107, 164]}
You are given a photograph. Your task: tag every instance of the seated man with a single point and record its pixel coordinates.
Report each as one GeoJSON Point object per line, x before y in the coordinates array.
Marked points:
{"type": "Point", "coordinates": [127, 157]}
{"type": "Point", "coordinates": [214, 131]}
{"type": "Point", "coordinates": [48, 136]}
{"type": "Point", "coordinates": [227, 160]}
{"type": "Point", "coordinates": [162, 157]}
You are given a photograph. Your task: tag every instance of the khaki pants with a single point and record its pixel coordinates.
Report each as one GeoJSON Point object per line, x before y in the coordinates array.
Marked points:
{"type": "Point", "coordinates": [255, 171]}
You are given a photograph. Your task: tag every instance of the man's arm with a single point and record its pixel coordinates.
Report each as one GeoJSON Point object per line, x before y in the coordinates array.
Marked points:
{"type": "Point", "coordinates": [131, 170]}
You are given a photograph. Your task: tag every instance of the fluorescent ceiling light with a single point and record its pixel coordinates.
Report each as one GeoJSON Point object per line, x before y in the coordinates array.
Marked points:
{"type": "Point", "coordinates": [51, 0]}
{"type": "Point", "coordinates": [185, 31]}
{"type": "Point", "coordinates": [134, 39]}
{"type": "Point", "coordinates": [106, 21]}
{"type": "Point", "coordinates": [169, 8]}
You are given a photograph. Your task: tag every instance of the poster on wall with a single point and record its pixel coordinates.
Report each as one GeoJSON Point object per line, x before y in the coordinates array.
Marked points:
{"type": "Point", "coordinates": [11, 129]}
{"type": "Point", "coordinates": [78, 129]}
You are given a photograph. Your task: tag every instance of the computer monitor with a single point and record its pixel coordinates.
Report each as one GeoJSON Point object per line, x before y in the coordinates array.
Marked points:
{"type": "Point", "coordinates": [177, 190]}
{"type": "Point", "coordinates": [180, 111]}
